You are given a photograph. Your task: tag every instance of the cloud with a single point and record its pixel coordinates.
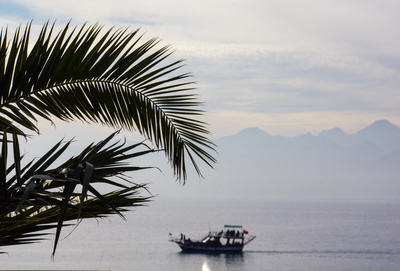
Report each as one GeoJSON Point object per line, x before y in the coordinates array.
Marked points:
{"type": "Point", "coordinates": [308, 24]}
{"type": "Point", "coordinates": [278, 81]}
{"type": "Point", "coordinates": [266, 60]}
{"type": "Point", "coordinates": [13, 9]}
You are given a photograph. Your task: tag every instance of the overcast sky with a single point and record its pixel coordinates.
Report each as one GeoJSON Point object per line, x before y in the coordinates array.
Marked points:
{"type": "Point", "coordinates": [287, 67]}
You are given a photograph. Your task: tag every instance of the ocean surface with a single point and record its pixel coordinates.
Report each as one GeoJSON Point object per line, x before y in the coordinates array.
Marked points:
{"type": "Point", "coordinates": [291, 235]}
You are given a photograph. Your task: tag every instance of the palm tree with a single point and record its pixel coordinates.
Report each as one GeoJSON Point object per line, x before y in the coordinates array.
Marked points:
{"type": "Point", "coordinates": [95, 76]}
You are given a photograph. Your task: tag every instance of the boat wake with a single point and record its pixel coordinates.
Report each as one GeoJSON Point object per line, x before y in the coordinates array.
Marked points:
{"type": "Point", "coordinates": [361, 252]}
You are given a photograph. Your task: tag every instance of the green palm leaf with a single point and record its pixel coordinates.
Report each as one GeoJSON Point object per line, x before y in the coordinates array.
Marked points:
{"type": "Point", "coordinates": [47, 197]}
{"type": "Point", "coordinates": [109, 77]}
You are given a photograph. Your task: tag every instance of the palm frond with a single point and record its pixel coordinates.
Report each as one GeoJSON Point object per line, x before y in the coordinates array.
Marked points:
{"type": "Point", "coordinates": [44, 198]}
{"type": "Point", "coordinates": [110, 77]}
{"type": "Point", "coordinates": [33, 225]}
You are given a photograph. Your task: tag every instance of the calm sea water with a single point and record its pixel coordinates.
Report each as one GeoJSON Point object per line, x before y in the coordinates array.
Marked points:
{"type": "Point", "coordinates": [291, 235]}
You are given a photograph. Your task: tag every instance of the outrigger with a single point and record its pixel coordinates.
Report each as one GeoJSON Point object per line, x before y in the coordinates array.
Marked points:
{"type": "Point", "coordinates": [231, 239]}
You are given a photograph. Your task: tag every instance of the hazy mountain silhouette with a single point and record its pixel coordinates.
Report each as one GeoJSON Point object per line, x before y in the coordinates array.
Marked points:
{"type": "Point", "coordinates": [381, 133]}
{"type": "Point", "coordinates": [364, 164]}
{"type": "Point", "coordinates": [252, 162]}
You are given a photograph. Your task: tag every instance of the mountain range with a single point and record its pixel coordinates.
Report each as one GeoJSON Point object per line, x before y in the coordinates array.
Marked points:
{"type": "Point", "coordinates": [332, 164]}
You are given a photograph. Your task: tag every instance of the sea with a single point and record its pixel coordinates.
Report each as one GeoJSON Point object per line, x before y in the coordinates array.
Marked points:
{"type": "Point", "coordinates": [291, 234]}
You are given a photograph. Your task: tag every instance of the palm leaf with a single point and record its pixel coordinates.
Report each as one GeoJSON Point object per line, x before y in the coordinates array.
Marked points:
{"type": "Point", "coordinates": [110, 77]}
{"type": "Point", "coordinates": [44, 198]}
{"type": "Point", "coordinates": [19, 230]}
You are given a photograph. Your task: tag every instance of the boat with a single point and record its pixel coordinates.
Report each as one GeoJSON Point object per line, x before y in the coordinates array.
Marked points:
{"type": "Point", "coordinates": [232, 238]}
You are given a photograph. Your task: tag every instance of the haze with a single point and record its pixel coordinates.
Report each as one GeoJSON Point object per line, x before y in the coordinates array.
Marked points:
{"type": "Point", "coordinates": [285, 67]}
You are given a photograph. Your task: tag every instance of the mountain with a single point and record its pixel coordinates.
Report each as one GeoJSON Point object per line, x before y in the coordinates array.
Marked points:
{"type": "Point", "coordinates": [331, 164]}
{"type": "Point", "coordinates": [381, 133]}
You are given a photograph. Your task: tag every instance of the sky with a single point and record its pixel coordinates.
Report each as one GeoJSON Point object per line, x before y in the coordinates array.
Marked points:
{"type": "Point", "coordinates": [287, 67]}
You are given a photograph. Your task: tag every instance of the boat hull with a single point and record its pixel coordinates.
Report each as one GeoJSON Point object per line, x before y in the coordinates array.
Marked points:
{"type": "Point", "coordinates": [220, 249]}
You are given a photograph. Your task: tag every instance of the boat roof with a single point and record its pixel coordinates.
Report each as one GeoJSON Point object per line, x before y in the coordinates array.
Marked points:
{"type": "Point", "coordinates": [233, 226]}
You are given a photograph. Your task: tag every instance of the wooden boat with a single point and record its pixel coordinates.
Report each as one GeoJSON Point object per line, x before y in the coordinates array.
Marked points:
{"type": "Point", "coordinates": [231, 239]}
